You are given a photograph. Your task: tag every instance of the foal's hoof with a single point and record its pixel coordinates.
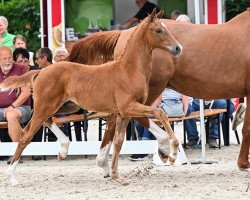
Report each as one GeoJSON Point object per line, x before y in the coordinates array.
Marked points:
{"type": "Point", "coordinates": [119, 179]}
{"type": "Point", "coordinates": [171, 160]}
{"type": "Point", "coordinates": [106, 175]}
{"type": "Point", "coordinates": [245, 167]}
{"type": "Point", "coordinates": [60, 158]}
{"type": "Point", "coordinates": [164, 157]}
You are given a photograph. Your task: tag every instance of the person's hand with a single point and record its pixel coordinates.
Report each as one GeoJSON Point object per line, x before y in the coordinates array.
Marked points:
{"type": "Point", "coordinates": [5, 110]}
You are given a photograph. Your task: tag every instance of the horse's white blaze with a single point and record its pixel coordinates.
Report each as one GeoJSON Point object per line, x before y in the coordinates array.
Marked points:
{"type": "Point", "coordinates": [177, 43]}
{"type": "Point", "coordinates": [63, 139]}
{"type": "Point", "coordinates": [102, 158]}
{"type": "Point", "coordinates": [11, 173]}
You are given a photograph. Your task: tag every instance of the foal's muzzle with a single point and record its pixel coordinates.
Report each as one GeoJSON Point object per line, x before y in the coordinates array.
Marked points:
{"type": "Point", "coordinates": [176, 50]}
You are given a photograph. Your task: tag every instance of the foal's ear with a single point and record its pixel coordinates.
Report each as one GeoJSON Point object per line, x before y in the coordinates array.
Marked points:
{"type": "Point", "coordinates": [160, 14]}
{"type": "Point", "coordinates": [152, 16]}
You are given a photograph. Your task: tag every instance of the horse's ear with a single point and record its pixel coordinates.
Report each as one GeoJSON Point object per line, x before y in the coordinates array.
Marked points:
{"type": "Point", "coordinates": [152, 16]}
{"type": "Point", "coordinates": [160, 14]}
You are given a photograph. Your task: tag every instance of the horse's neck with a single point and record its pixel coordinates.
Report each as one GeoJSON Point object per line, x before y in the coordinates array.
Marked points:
{"type": "Point", "coordinates": [240, 19]}
{"type": "Point", "coordinates": [137, 56]}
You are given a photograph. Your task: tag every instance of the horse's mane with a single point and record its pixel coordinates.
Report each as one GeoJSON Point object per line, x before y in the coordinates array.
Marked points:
{"type": "Point", "coordinates": [95, 49]}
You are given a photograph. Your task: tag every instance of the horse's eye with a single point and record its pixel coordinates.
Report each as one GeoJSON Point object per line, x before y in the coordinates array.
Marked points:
{"type": "Point", "coordinates": [158, 30]}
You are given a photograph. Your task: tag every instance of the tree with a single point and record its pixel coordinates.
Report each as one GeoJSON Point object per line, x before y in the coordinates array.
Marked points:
{"type": "Point", "coordinates": [24, 19]}
{"type": "Point", "coordinates": [235, 7]}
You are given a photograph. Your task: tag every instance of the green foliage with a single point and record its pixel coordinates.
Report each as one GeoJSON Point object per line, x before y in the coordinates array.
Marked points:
{"type": "Point", "coordinates": [24, 19]}
{"type": "Point", "coordinates": [235, 7]}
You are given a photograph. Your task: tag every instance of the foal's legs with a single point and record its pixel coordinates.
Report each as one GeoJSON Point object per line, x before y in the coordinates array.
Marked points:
{"type": "Point", "coordinates": [121, 125]}
{"type": "Point", "coordinates": [139, 110]}
{"type": "Point", "coordinates": [26, 137]}
{"type": "Point", "coordinates": [161, 136]}
{"type": "Point", "coordinates": [63, 139]}
{"type": "Point", "coordinates": [243, 160]}
{"type": "Point", "coordinates": [102, 158]}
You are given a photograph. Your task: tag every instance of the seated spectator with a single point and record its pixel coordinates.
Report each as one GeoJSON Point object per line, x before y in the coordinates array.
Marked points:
{"type": "Point", "coordinates": [183, 18]}
{"type": "Point", "coordinates": [60, 54]}
{"type": "Point", "coordinates": [191, 127]}
{"type": "Point", "coordinates": [175, 104]}
{"type": "Point", "coordinates": [20, 42]}
{"type": "Point", "coordinates": [14, 107]}
{"type": "Point", "coordinates": [6, 39]}
{"type": "Point", "coordinates": [21, 56]}
{"type": "Point", "coordinates": [175, 14]}
{"type": "Point", "coordinates": [43, 57]}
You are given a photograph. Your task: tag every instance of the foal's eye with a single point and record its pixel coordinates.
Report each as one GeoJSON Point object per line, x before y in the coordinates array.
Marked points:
{"type": "Point", "coordinates": [158, 30]}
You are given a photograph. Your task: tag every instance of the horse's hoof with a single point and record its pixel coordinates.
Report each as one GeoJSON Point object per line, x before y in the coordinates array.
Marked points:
{"type": "Point", "coordinates": [106, 175]}
{"type": "Point", "coordinates": [164, 157]}
{"type": "Point", "coordinates": [59, 157]}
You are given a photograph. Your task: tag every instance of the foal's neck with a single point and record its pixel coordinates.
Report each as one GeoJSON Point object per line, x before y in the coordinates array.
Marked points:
{"type": "Point", "coordinates": [137, 56]}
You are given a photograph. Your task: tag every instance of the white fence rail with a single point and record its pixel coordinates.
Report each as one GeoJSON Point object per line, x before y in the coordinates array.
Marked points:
{"type": "Point", "coordinates": [78, 148]}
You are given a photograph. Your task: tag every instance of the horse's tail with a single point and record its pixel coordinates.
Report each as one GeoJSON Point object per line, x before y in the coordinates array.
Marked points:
{"type": "Point", "coordinates": [16, 82]}
{"type": "Point", "coordinates": [97, 48]}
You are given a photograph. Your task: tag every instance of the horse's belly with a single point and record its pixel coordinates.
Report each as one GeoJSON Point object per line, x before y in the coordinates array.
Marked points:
{"type": "Point", "coordinates": [97, 105]}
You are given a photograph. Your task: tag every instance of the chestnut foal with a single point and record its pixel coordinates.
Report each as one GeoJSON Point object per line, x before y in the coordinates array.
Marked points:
{"type": "Point", "coordinates": [119, 87]}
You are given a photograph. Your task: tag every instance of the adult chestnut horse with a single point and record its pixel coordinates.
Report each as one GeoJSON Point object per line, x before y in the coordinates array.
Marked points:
{"type": "Point", "coordinates": [215, 64]}
{"type": "Point", "coordinates": [119, 87]}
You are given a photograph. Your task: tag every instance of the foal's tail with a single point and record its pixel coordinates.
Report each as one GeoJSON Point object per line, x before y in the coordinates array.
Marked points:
{"type": "Point", "coordinates": [95, 49]}
{"type": "Point", "coordinates": [16, 82]}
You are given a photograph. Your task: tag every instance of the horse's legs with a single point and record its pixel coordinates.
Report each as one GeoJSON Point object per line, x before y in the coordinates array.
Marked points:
{"type": "Point", "coordinates": [102, 158]}
{"type": "Point", "coordinates": [243, 161]}
{"type": "Point", "coordinates": [63, 139]}
{"type": "Point", "coordinates": [140, 110]}
{"type": "Point", "coordinates": [121, 125]}
{"type": "Point", "coordinates": [28, 132]}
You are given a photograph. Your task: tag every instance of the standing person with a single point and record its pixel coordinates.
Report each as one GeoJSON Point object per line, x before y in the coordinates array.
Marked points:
{"type": "Point", "coordinates": [6, 39]}
{"type": "Point", "coordinates": [146, 8]}
{"type": "Point", "coordinates": [20, 42]}
{"type": "Point", "coordinates": [14, 107]}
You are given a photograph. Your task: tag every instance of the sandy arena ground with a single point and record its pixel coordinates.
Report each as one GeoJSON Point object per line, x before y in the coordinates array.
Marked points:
{"type": "Point", "coordinates": [80, 178]}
